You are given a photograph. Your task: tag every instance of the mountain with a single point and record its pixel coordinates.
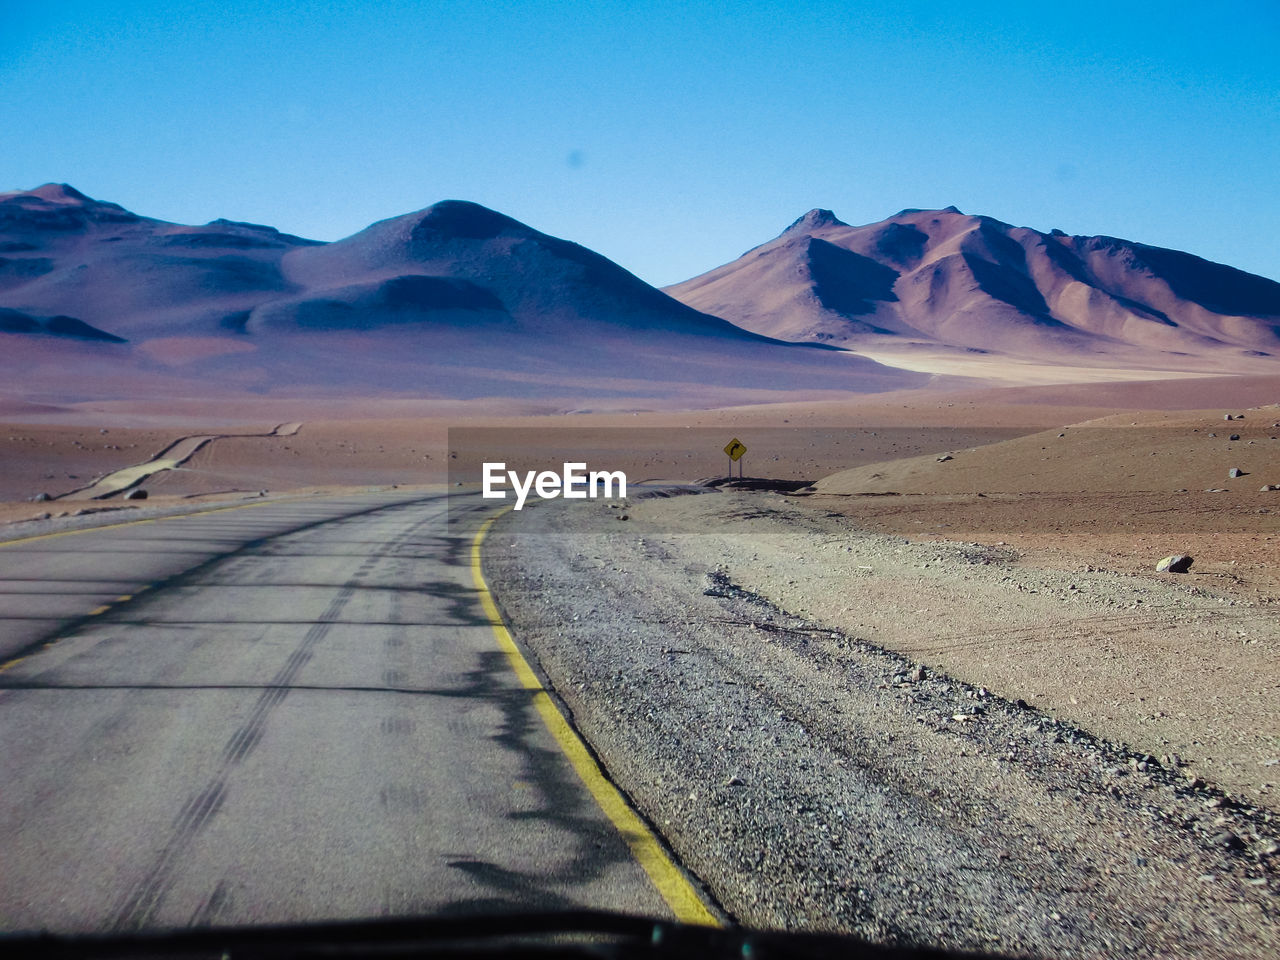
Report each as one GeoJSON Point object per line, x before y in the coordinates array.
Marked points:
{"type": "Point", "coordinates": [453, 300]}
{"type": "Point", "coordinates": [940, 277]}
{"type": "Point", "coordinates": [65, 253]}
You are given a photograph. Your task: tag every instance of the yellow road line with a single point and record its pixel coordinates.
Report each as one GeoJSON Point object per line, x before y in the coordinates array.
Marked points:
{"type": "Point", "coordinates": [137, 523]}
{"type": "Point", "coordinates": [674, 887]}
{"type": "Point", "coordinates": [98, 611]}
{"type": "Point", "coordinates": [124, 598]}
{"type": "Point", "coordinates": [172, 516]}
{"type": "Point", "coordinates": [67, 533]}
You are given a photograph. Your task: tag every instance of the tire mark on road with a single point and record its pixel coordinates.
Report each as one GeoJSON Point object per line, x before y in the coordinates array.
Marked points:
{"type": "Point", "coordinates": [213, 907]}
{"type": "Point", "coordinates": [246, 738]}
{"type": "Point", "coordinates": [145, 897]}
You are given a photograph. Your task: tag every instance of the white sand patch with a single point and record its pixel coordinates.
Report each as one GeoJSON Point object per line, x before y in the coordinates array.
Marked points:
{"type": "Point", "coordinates": [1010, 371]}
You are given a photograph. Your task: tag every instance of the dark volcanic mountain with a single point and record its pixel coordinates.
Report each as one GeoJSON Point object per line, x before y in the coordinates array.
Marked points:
{"type": "Point", "coordinates": [939, 276]}
{"type": "Point", "coordinates": [454, 300]}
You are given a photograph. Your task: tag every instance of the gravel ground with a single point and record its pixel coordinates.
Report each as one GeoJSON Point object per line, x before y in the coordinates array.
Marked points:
{"type": "Point", "coordinates": [812, 779]}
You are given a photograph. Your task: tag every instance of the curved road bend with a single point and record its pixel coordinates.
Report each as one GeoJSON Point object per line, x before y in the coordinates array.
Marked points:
{"type": "Point", "coordinates": [305, 716]}
{"type": "Point", "coordinates": [170, 458]}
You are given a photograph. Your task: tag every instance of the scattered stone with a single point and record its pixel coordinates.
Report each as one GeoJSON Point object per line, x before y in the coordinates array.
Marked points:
{"type": "Point", "coordinates": [1234, 436]}
{"type": "Point", "coordinates": [735, 782]}
{"type": "Point", "coordinates": [1268, 487]}
{"type": "Point", "coordinates": [41, 498]}
{"type": "Point", "coordinates": [1236, 472]}
{"type": "Point", "coordinates": [1216, 490]}
{"type": "Point", "coordinates": [138, 494]}
{"type": "Point", "coordinates": [623, 516]}
{"type": "Point", "coordinates": [945, 457]}
{"type": "Point", "coordinates": [1227, 416]}
{"type": "Point", "coordinates": [1177, 563]}
{"type": "Point", "coordinates": [41, 516]}
{"type": "Point", "coordinates": [917, 673]}
{"type": "Point", "coordinates": [1227, 841]}
{"type": "Point", "coordinates": [1213, 434]}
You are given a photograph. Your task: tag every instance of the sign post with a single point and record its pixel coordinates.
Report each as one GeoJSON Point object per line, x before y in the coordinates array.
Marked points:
{"type": "Point", "coordinates": [735, 449]}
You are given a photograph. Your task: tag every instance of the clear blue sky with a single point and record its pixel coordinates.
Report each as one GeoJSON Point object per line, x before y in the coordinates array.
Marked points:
{"type": "Point", "coordinates": [668, 136]}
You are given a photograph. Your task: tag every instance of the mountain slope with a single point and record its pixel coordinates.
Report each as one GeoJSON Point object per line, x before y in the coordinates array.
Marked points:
{"type": "Point", "coordinates": [970, 282]}
{"type": "Point", "coordinates": [454, 300]}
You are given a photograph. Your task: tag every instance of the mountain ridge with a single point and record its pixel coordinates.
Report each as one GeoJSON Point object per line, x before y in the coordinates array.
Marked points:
{"type": "Point", "coordinates": [453, 299]}
{"type": "Point", "coordinates": [961, 281]}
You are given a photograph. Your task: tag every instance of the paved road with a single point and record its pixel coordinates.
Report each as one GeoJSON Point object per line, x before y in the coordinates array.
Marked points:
{"type": "Point", "coordinates": [170, 458]}
{"type": "Point", "coordinates": [305, 716]}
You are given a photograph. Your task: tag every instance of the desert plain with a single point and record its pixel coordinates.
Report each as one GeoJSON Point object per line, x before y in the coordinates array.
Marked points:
{"type": "Point", "coordinates": [914, 675]}
{"type": "Point", "coordinates": [1069, 478]}
{"type": "Point", "coordinates": [1002, 538]}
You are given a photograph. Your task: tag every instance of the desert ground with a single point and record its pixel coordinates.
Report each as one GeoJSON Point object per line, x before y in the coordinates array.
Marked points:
{"type": "Point", "coordinates": [1002, 538]}
{"type": "Point", "coordinates": [1115, 473]}
{"type": "Point", "coordinates": [1071, 479]}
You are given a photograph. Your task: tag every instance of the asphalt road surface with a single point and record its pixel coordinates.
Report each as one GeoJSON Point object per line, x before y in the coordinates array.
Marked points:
{"type": "Point", "coordinates": [291, 712]}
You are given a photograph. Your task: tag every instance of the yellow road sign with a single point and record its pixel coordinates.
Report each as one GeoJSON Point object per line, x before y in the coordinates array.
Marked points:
{"type": "Point", "coordinates": [735, 449]}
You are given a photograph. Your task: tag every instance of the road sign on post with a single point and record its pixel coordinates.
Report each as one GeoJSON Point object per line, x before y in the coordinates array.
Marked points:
{"type": "Point", "coordinates": [735, 448]}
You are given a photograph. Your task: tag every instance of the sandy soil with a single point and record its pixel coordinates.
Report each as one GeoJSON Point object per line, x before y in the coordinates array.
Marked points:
{"type": "Point", "coordinates": [1168, 664]}
{"type": "Point", "coordinates": [55, 448]}
{"type": "Point", "coordinates": [1118, 491]}
{"type": "Point", "coordinates": [1022, 565]}
{"type": "Point", "coordinates": [814, 778]}
{"type": "Point", "coordinates": [934, 358]}
{"type": "Point", "coordinates": [1053, 477]}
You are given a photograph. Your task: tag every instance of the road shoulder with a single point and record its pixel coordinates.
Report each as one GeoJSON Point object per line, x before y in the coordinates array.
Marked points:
{"type": "Point", "coordinates": [803, 773]}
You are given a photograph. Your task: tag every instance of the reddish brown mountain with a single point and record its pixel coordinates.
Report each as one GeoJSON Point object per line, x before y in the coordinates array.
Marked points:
{"type": "Point", "coordinates": [941, 277]}
{"type": "Point", "coordinates": [454, 300]}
